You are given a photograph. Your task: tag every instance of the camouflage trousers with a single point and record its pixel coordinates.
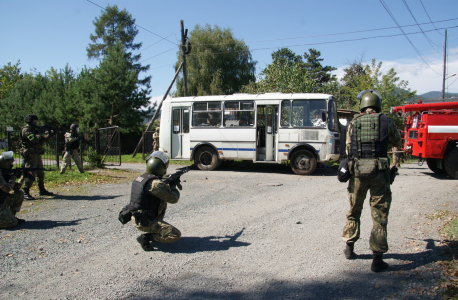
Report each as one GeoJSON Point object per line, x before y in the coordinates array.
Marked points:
{"type": "Point", "coordinates": [162, 231]}
{"type": "Point", "coordinates": [380, 201]}
{"type": "Point", "coordinates": [67, 161]}
{"type": "Point", "coordinates": [34, 161]}
{"type": "Point", "coordinates": [10, 208]}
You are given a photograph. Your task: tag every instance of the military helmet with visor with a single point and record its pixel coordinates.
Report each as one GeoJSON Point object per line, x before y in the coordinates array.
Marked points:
{"type": "Point", "coordinates": [370, 99]}
{"type": "Point", "coordinates": [157, 163]}
{"type": "Point", "coordinates": [6, 160]}
{"type": "Point", "coordinates": [30, 118]}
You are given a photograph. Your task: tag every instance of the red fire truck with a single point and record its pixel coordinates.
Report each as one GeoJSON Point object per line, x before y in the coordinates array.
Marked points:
{"type": "Point", "coordinates": [431, 133]}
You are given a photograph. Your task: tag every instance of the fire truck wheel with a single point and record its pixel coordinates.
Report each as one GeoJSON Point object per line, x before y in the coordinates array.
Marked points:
{"type": "Point", "coordinates": [432, 164]}
{"type": "Point", "coordinates": [451, 163]}
{"type": "Point", "coordinates": [303, 162]}
{"type": "Point", "coordinates": [207, 159]}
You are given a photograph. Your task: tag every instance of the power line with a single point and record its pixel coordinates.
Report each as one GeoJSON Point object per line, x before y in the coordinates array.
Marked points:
{"type": "Point", "coordinates": [162, 38]}
{"type": "Point", "coordinates": [427, 38]}
{"type": "Point", "coordinates": [416, 50]}
{"type": "Point", "coordinates": [429, 17]}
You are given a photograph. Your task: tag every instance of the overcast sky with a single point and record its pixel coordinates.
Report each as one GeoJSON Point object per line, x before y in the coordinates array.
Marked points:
{"type": "Point", "coordinates": [44, 34]}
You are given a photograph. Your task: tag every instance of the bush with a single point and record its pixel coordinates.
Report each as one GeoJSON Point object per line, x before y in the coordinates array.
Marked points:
{"type": "Point", "coordinates": [93, 158]}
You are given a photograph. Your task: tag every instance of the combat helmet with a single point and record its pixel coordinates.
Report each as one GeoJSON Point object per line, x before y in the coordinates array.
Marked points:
{"type": "Point", "coordinates": [30, 118]}
{"type": "Point", "coordinates": [74, 127]}
{"type": "Point", "coordinates": [157, 163]}
{"type": "Point", "coordinates": [370, 99]}
{"type": "Point", "coordinates": [6, 160]}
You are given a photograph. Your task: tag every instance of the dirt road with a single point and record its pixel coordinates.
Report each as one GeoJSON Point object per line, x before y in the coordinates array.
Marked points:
{"type": "Point", "coordinates": [247, 234]}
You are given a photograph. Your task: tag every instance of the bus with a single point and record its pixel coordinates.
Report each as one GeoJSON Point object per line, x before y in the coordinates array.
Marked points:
{"type": "Point", "coordinates": [265, 128]}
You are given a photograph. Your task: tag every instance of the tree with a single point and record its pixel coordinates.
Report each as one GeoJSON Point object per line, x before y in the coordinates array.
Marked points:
{"type": "Point", "coordinates": [118, 97]}
{"type": "Point", "coordinates": [112, 26]}
{"type": "Point", "coordinates": [9, 75]}
{"type": "Point", "coordinates": [321, 75]}
{"type": "Point", "coordinates": [219, 64]}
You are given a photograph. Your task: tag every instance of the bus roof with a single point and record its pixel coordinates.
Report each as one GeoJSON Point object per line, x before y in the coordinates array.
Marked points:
{"type": "Point", "coordinates": [267, 96]}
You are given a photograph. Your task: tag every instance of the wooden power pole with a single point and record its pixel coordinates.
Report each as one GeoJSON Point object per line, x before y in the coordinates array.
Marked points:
{"type": "Point", "coordinates": [184, 51]}
{"type": "Point", "coordinates": [443, 76]}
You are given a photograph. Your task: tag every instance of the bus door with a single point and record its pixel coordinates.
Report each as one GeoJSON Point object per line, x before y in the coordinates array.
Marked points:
{"type": "Point", "coordinates": [180, 132]}
{"type": "Point", "coordinates": [266, 131]}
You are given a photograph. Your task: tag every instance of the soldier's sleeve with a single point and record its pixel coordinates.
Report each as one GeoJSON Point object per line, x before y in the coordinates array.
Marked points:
{"type": "Point", "coordinates": [393, 134]}
{"type": "Point", "coordinates": [348, 141]}
{"type": "Point", "coordinates": [163, 191]}
{"type": "Point", "coordinates": [7, 186]}
{"type": "Point", "coordinates": [32, 136]}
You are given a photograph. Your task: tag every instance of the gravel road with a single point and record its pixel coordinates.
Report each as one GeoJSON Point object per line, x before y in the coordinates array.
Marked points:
{"type": "Point", "coordinates": [261, 233]}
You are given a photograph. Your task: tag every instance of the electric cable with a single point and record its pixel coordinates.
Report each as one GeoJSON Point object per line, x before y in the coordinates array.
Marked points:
{"type": "Point", "coordinates": [430, 18]}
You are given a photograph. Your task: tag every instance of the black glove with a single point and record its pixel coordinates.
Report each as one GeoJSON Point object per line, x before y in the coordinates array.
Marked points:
{"type": "Point", "coordinates": [17, 173]}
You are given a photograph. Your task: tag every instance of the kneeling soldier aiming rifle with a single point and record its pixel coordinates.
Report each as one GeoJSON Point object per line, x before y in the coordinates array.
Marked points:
{"type": "Point", "coordinates": [148, 202]}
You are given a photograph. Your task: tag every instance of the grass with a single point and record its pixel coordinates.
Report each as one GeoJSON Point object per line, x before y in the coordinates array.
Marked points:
{"type": "Point", "coordinates": [128, 159]}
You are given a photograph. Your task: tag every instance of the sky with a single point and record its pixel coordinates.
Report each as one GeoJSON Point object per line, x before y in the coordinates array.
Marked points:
{"type": "Point", "coordinates": [407, 35]}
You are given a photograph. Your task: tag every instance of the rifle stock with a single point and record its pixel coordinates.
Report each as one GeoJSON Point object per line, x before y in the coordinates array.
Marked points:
{"type": "Point", "coordinates": [23, 171]}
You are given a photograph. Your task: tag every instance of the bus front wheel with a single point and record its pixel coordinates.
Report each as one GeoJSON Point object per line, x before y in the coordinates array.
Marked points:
{"type": "Point", "coordinates": [303, 162]}
{"type": "Point", "coordinates": [207, 159]}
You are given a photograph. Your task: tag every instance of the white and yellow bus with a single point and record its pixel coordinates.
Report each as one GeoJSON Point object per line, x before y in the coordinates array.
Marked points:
{"type": "Point", "coordinates": [266, 128]}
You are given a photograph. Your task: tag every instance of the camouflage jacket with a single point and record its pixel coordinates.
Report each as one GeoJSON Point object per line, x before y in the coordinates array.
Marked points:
{"type": "Point", "coordinates": [393, 134]}
{"type": "Point", "coordinates": [11, 184]}
{"type": "Point", "coordinates": [163, 191]}
{"type": "Point", "coordinates": [33, 137]}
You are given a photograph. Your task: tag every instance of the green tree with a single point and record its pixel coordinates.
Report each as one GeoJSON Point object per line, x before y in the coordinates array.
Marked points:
{"type": "Point", "coordinates": [219, 64]}
{"type": "Point", "coordinates": [9, 75]}
{"type": "Point", "coordinates": [321, 75]}
{"type": "Point", "coordinates": [114, 25]}
{"type": "Point", "coordinates": [118, 93]}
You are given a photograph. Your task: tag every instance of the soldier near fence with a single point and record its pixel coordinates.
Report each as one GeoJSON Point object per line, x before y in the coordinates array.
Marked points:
{"type": "Point", "coordinates": [156, 140]}
{"type": "Point", "coordinates": [368, 137]}
{"type": "Point", "coordinates": [148, 203]}
{"type": "Point", "coordinates": [10, 203]}
{"type": "Point", "coordinates": [72, 145]}
{"type": "Point", "coordinates": [33, 138]}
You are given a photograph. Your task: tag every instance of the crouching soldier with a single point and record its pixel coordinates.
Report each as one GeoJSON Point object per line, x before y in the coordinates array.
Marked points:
{"type": "Point", "coordinates": [148, 203]}
{"type": "Point", "coordinates": [10, 204]}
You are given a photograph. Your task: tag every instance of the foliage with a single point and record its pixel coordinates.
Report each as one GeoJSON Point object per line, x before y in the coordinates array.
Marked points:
{"type": "Point", "coordinates": [288, 73]}
{"type": "Point", "coordinates": [93, 158]}
{"type": "Point", "coordinates": [9, 75]}
{"type": "Point", "coordinates": [219, 64]}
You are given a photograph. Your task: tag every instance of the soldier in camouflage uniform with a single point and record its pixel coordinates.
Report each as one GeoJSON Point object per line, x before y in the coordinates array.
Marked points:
{"type": "Point", "coordinates": [156, 140]}
{"type": "Point", "coordinates": [10, 204]}
{"type": "Point", "coordinates": [368, 137]}
{"type": "Point", "coordinates": [148, 203]}
{"type": "Point", "coordinates": [33, 140]}
{"type": "Point", "coordinates": [72, 144]}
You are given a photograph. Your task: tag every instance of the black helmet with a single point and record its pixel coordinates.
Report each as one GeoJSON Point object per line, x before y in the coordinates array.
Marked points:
{"type": "Point", "coordinates": [30, 117]}
{"type": "Point", "coordinates": [73, 127]}
{"type": "Point", "coordinates": [6, 160]}
{"type": "Point", "coordinates": [370, 99]}
{"type": "Point", "coordinates": [157, 163]}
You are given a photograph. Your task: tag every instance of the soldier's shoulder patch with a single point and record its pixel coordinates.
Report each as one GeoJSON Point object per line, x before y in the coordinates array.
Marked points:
{"type": "Point", "coordinates": [139, 179]}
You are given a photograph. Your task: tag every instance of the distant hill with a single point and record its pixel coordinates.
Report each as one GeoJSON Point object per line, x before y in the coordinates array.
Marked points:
{"type": "Point", "coordinates": [436, 95]}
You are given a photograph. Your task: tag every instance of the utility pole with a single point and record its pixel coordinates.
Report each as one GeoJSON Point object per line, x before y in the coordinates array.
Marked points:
{"type": "Point", "coordinates": [184, 50]}
{"type": "Point", "coordinates": [443, 77]}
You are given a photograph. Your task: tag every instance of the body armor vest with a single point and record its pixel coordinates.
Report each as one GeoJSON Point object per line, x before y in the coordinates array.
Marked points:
{"type": "Point", "coordinates": [73, 145]}
{"type": "Point", "coordinates": [141, 200]}
{"type": "Point", "coordinates": [3, 194]}
{"type": "Point", "coordinates": [370, 136]}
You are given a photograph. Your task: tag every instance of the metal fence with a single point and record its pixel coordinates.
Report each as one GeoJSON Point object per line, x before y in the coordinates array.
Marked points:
{"type": "Point", "coordinates": [147, 146]}
{"type": "Point", "coordinates": [108, 144]}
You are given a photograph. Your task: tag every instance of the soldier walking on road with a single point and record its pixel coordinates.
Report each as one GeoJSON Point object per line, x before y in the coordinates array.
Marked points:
{"type": "Point", "coordinates": [72, 145]}
{"type": "Point", "coordinates": [32, 141]}
{"type": "Point", "coordinates": [368, 137]}
{"type": "Point", "coordinates": [156, 140]}
{"type": "Point", "coordinates": [148, 203]}
{"type": "Point", "coordinates": [10, 204]}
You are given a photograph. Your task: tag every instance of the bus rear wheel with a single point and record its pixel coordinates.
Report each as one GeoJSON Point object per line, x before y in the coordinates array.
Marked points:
{"type": "Point", "coordinates": [451, 163]}
{"type": "Point", "coordinates": [303, 162]}
{"type": "Point", "coordinates": [207, 159]}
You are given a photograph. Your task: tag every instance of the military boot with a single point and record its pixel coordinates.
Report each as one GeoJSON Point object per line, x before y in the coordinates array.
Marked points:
{"type": "Point", "coordinates": [348, 251]}
{"type": "Point", "coordinates": [144, 241]}
{"type": "Point", "coordinates": [43, 191]}
{"type": "Point", "coordinates": [378, 264]}
{"type": "Point", "coordinates": [27, 195]}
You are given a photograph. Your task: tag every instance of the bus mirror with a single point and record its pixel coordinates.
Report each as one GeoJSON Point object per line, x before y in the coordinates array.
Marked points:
{"type": "Point", "coordinates": [323, 116]}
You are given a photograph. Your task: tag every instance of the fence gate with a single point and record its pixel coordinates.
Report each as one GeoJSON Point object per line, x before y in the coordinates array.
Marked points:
{"type": "Point", "coordinates": [108, 143]}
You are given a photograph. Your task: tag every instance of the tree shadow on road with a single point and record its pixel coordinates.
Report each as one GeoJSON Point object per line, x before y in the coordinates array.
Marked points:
{"type": "Point", "coordinates": [85, 197]}
{"type": "Point", "coordinates": [202, 244]}
{"type": "Point", "coordinates": [46, 224]}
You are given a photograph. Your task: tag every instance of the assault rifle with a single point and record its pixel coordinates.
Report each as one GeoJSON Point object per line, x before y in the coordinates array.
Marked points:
{"type": "Point", "coordinates": [45, 128]}
{"type": "Point", "coordinates": [175, 177]}
{"type": "Point", "coordinates": [84, 141]}
{"type": "Point", "coordinates": [21, 171]}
